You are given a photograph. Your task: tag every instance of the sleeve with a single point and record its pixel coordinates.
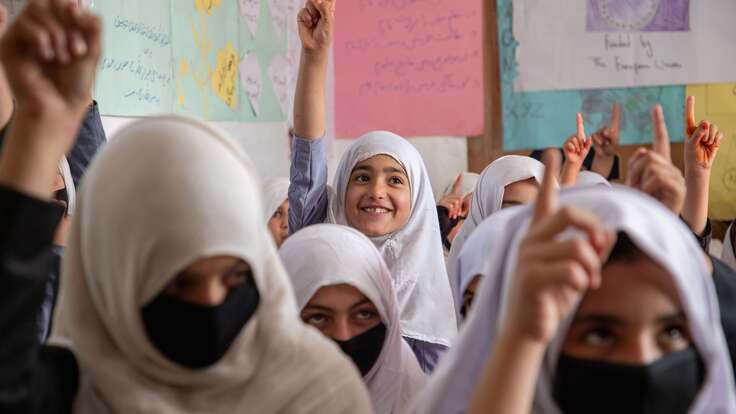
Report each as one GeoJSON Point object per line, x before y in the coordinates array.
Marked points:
{"type": "Point", "coordinates": [90, 139]}
{"type": "Point", "coordinates": [27, 227]}
{"type": "Point", "coordinates": [704, 238]}
{"type": "Point", "coordinates": [308, 188]}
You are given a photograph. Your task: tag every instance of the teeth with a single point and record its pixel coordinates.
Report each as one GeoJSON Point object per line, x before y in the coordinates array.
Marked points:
{"type": "Point", "coordinates": [375, 210]}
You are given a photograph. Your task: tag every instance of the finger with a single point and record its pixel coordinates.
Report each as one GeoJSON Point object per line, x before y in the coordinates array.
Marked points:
{"type": "Point", "coordinates": [635, 167]}
{"type": "Point", "coordinates": [580, 126]}
{"type": "Point", "coordinates": [54, 29]}
{"type": "Point", "coordinates": [456, 186]}
{"type": "Point", "coordinates": [615, 119]}
{"type": "Point", "coordinates": [661, 138]}
{"type": "Point", "coordinates": [712, 134]}
{"type": "Point", "coordinates": [690, 124]}
{"type": "Point", "coordinates": [700, 134]}
{"type": "Point", "coordinates": [33, 35]}
{"type": "Point", "coordinates": [576, 249]}
{"type": "Point", "coordinates": [312, 10]}
{"type": "Point", "coordinates": [565, 218]}
{"type": "Point", "coordinates": [546, 202]}
{"type": "Point", "coordinates": [570, 274]}
{"type": "Point", "coordinates": [325, 7]}
{"type": "Point", "coordinates": [90, 27]}
{"type": "Point", "coordinates": [597, 139]}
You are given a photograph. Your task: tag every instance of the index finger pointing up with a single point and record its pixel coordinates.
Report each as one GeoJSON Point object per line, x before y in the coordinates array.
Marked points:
{"type": "Point", "coordinates": [616, 118]}
{"type": "Point", "coordinates": [690, 125]}
{"type": "Point", "coordinates": [546, 203]}
{"type": "Point", "coordinates": [660, 138]}
{"type": "Point", "coordinates": [581, 126]}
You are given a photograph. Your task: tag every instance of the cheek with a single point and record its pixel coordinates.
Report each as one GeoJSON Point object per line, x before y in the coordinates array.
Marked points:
{"type": "Point", "coordinates": [402, 203]}
{"type": "Point", "coordinates": [352, 196]}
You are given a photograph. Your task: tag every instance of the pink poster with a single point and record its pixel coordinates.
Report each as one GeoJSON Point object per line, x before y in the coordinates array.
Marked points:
{"type": "Point", "coordinates": [413, 67]}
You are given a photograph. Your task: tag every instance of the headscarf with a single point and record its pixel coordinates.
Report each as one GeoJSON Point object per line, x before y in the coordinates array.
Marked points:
{"type": "Point", "coordinates": [487, 199]}
{"type": "Point", "coordinates": [69, 184]}
{"type": "Point", "coordinates": [328, 254]}
{"type": "Point", "coordinates": [655, 230]}
{"type": "Point", "coordinates": [275, 192]}
{"type": "Point", "coordinates": [167, 192]}
{"type": "Point", "coordinates": [413, 254]}
{"type": "Point", "coordinates": [590, 178]}
{"type": "Point", "coordinates": [728, 256]}
{"type": "Point", "coordinates": [468, 185]}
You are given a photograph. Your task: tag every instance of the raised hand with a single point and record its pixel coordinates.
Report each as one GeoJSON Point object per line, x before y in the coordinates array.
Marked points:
{"type": "Point", "coordinates": [552, 274]}
{"type": "Point", "coordinates": [652, 171]}
{"type": "Point", "coordinates": [454, 202]}
{"type": "Point", "coordinates": [576, 148]}
{"type": "Point", "coordinates": [317, 24]}
{"type": "Point", "coordinates": [606, 139]}
{"type": "Point", "coordinates": [701, 140]}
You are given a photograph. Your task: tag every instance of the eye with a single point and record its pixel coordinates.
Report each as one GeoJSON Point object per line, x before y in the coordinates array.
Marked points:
{"type": "Point", "coordinates": [674, 336]}
{"type": "Point", "coordinates": [278, 214]}
{"type": "Point", "coordinates": [366, 315]}
{"type": "Point", "coordinates": [467, 301]}
{"type": "Point", "coordinates": [237, 278]}
{"type": "Point", "coordinates": [361, 178]}
{"type": "Point", "coordinates": [396, 180]}
{"type": "Point", "coordinates": [598, 336]}
{"type": "Point", "coordinates": [316, 319]}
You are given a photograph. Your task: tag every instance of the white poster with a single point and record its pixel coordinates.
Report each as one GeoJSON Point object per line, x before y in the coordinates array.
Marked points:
{"type": "Point", "coordinates": [588, 44]}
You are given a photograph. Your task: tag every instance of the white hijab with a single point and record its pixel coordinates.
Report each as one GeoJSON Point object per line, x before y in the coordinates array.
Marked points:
{"type": "Point", "coordinates": [487, 199]}
{"type": "Point", "coordinates": [728, 256]}
{"type": "Point", "coordinates": [162, 194]}
{"type": "Point", "coordinates": [654, 229]}
{"type": "Point", "coordinates": [275, 192]}
{"type": "Point", "coordinates": [328, 254]}
{"type": "Point", "coordinates": [590, 178]}
{"type": "Point", "coordinates": [413, 254]}
{"type": "Point", "coordinates": [470, 180]}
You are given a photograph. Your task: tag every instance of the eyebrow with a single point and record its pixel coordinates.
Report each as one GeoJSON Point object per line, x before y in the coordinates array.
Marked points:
{"type": "Point", "coordinates": [612, 320]}
{"type": "Point", "coordinates": [361, 303]}
{"type": "Point", "coordinates": [511, 203]}
{"type": "Point", "coordinates": [318, 307]}
{"type": "Point", "coordinates": [387, 170]}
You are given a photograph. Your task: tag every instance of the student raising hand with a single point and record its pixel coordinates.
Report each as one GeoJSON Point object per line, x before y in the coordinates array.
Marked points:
{"type": "Point", "coordinates": [551, 276]}
{"type": "Point", "coordinates": [50, 55]}
{"type": "Point", "coordinates": [652, 171]}
{"type": "Point", "coordinates": [576, 148]}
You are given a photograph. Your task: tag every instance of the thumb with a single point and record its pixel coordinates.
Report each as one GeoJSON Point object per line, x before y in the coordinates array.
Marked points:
{"type": "Point", "coordinates": [457, 185]}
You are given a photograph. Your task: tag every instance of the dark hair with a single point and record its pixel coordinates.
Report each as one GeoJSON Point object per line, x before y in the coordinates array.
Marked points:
{"type": "Point", "coordinates": [625, 249]}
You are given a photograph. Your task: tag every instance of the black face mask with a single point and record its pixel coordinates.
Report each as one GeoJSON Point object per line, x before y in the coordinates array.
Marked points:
{"type": "Point", "coordinates": [365, 348]}
{"type": "Point", "coordinates": [197, 336]}
{"type": "Point", "coordinates": [669, 385]}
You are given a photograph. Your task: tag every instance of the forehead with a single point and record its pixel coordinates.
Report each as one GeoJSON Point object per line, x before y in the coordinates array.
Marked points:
{"type": "Point", "coordinates": [379, 163]}
{"type": "Point", "coordinates": [636, 290]}
{"type": "Point", "coordinates": [338, 297]}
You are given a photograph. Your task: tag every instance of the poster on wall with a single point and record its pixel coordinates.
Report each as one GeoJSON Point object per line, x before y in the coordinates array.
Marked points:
{"type": "Point", "coordinates": [214, 59]}
{"type": "Point", "coordinates": [411, 67]}
{"type": "Point", "coordinates": [534, 120]}
{"type": "Point", "coordinates": [623, 43]}
{"type": "Point", "coordinates": [717, 103]}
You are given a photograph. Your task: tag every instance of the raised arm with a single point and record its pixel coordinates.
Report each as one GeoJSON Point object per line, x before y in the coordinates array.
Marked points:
{"type": "Point", "coordinates": [701, 146]}
{"type": "Point", "coordinates": [576, 148]}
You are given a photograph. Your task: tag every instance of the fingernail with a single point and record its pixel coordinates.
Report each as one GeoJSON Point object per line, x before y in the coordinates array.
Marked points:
{"type": "Point", "coordinates": [80, 47]}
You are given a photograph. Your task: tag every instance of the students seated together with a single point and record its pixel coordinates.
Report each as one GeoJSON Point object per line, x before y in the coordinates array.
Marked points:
{"type": "Point", "coordinates": [180, 281]}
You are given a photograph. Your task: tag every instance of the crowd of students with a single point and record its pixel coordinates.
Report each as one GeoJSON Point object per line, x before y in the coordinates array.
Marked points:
{"type": "Point", "coordinates": [172, 278]}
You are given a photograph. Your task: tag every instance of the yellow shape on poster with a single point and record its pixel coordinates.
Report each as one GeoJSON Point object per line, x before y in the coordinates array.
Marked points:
{"type": "Point", "coordinates": [717, 103]}
{"type": "Point", "coordinates": [225, 76]}
{"type": "Point", "coordinates": [206, 5]}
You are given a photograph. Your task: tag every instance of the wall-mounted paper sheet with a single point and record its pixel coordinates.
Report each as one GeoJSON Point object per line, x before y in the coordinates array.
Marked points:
{"type": "Point", "coordinates": [623, 43]}
{"type": "Point", "coordinates": [412, 67]}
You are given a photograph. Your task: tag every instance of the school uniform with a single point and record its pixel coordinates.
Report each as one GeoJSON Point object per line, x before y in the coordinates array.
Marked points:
{"type": "Point", "coordinates": [493, 255]}
{"type": "Point", "coordinates": [186, 191]}
{"type": "Point", "coordinates": [346, 256]}
{"type": "Point", "coordinates": [413, 254]}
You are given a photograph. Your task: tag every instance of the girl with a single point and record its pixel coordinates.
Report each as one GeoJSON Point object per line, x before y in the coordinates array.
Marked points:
{"type": "Point", "coordinates": [276, 201]}
{"type": "Point", "coordinates": [381, 189]}
{"type": "Point", "coordinates": [172, 301]}
{"type": "Point", "coordinates": [453, 207]}
{"type": "Point", "coordinates": [344, 289]}
{"type": "Point", "coordinates": [559, 336]}
{"type": "Point", "coordinates": [508, 181]}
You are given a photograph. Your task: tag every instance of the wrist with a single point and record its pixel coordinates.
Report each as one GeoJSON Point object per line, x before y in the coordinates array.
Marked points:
{"type": "Point", "coordinates": [317, 56]}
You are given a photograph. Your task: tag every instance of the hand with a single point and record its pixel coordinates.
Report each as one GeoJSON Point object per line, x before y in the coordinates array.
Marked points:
{"type": "Point", "coordinates": [3, 19]}
{"type": "Point", "coordinates": [454, 202]}
{"type": "Point", "coordinates": [552, 274]}
{"type": "Point", "coordinates": [576, 147]}
{"type": "Point", "coordinates": [317, 24]}
{"type": "Point", "coordinates": [606, 139]}
{"type": "Point", "coordinates": [50, 54]}
{"type": "Point", "coordinates": [652, 171]}
{"type": "Point", "coordinates": [701, 140]}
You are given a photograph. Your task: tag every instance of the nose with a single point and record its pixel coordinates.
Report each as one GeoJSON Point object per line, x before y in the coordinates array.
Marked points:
{"type": "Point", "coordinates": [641, 351]}
{"type": "Point", "coordinates": [210, 293]}
{"type": "Point", "coordinates": [285, 223]}
{"type": "Point", "coordinates": [377, 189]}
{"type": "Point", "coordinates": [341, 330]}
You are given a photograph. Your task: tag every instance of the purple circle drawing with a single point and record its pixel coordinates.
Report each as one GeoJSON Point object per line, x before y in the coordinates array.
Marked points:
{"type": "Point", "coordinates": [628, 15]}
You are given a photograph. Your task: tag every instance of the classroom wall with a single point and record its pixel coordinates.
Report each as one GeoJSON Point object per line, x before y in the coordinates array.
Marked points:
{"type": "Point", "coordinates": [267, 145]}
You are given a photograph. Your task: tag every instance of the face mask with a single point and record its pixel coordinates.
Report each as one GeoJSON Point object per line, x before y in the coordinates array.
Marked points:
{"type": "Point", "coordinates": [669, 385]}
{"type": "Point", "coordinates": [197, 336]}
{"type": "Point", "coordinates": [365, 348]}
